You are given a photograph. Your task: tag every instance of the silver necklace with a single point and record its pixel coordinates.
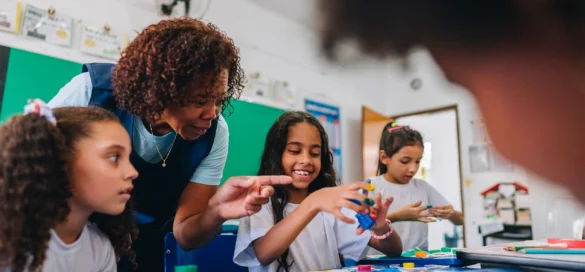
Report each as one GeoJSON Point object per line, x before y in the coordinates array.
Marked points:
{"type": "Point", "coordinates": [164, 160]}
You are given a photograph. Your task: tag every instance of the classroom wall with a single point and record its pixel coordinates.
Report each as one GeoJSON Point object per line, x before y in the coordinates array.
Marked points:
{"type": "Point", "coordinates": [437, 92]}
{"type": "Point", "coordinates": [270, 43]}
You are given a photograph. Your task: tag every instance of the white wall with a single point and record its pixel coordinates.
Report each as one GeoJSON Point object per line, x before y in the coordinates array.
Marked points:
{"type": "Point", "coordinates": [437, 92]}
{"type": "Point", "coordinates": [270, 43]}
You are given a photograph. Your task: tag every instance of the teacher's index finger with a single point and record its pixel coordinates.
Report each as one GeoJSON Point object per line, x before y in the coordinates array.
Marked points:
{"type": "Point", "coordinates": [273, 180]}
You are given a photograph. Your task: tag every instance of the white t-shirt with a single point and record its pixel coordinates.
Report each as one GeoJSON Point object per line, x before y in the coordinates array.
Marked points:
{"type": "Point", "coordinates": [412, 233]}
{"type": "Point", "coordinates": [92, 252]}
{"type": "Point", "coordinates": [316, 248]}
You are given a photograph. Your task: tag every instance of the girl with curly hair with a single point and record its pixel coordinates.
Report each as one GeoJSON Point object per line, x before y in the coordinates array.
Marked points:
{"type": "Point", "coordinates": [169, 88]}
{"type": "Point", "coordinates": [65, 181]}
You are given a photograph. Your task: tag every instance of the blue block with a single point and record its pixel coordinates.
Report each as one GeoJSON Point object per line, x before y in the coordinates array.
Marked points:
{"type": "Point", "coordinates": [364, 219]}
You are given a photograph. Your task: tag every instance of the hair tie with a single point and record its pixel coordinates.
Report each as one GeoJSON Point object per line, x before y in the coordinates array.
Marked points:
{"type": "Point", "coordinates": [394, 126]}
{"type": "Point", "coordinates": [37, 106]}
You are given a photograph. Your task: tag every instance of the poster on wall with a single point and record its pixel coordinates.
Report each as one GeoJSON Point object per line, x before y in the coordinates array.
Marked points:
{"type": "Point", "coordinates": [102, 42]}
{"type": "Point", "coordinates": [47, 25]}
{"type": "Point", "coordinates": [9, 15]}
{"type": "Point", "coordinates": [328, 116]}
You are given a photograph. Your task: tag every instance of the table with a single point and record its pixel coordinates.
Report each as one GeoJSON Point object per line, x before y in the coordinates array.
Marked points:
{"type": "Point", "coordinates": [496, 256]}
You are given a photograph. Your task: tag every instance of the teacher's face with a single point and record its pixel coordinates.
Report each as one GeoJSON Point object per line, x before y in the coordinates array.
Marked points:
{"type": "Point", "coordinates": [193, 119]}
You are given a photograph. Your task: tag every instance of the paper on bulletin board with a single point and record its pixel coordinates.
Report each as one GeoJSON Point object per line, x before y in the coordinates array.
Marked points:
{"type": "Point", "coordinates": [329, 117]}
{"type": "Point", "coordinates": [102, 42]}
{"type": "Point", "coordinates": [258, 86]}
{"type": "Point", "coordinates": [10, 16]}
{"type": "Point", "coordinates": [284, 93]}
{"type": "Point", "coordinates": [52, 28]}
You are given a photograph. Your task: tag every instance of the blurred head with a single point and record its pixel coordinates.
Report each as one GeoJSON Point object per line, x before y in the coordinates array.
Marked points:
{"type": "Point", "coordinates": [522, 60]}
{"type": "Point", "coordinates": [182, 72]}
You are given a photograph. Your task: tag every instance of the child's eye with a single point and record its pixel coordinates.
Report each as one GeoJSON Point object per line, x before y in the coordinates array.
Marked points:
{"type": "Point", "coordinates": [114, 158]}
{"type": "Point", "coordinates": [404, 162]}
{"type": "Point", "coordinates": [294, 151]}
{"type": "Point", "coordinates": [315, 155]}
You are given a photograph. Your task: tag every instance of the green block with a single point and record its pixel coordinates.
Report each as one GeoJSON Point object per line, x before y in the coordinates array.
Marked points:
{"type": "Point", "coordinates": [429, 206]}
{"type": "Point", "coordinates": [186, 268]}
{"type": "Point", "coordinates": [446, 249]}
{"type": "Point", "coordinates": [369, 202]}
{"type": "Point", "coordinates": [432, 251]}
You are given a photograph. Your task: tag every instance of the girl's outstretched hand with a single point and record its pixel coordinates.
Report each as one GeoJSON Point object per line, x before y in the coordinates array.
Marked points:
{"type": "Point", "coordinates": [332, 199]}
{"type": "Point", "coordinates": [412, 212]}
{"type": "Point", "coordinates": [378, 212]}
{"type": "Point", "coordinates": [444, 212]}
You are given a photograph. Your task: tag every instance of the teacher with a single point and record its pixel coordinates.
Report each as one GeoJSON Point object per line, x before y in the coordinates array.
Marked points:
{"type": "Point", "coordinates": [168, 89]}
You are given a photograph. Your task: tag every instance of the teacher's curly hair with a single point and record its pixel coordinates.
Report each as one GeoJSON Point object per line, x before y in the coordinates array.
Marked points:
{"type": "Point", "coordinates": [169, 59]}
{"type": "Point", "coordinates": [35, 159]}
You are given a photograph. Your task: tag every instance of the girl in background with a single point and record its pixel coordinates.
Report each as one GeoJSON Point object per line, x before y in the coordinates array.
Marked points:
{"type": "Point", "coordinates": [65, 180]}
{"type": "Point", "coordinates": [307, 225]}
{"type": "Point", "coordinates": [401, 150]}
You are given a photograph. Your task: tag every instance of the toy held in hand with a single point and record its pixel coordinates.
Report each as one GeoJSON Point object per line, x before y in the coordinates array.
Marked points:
{"type": "Point", "coordinates": [365, 220]}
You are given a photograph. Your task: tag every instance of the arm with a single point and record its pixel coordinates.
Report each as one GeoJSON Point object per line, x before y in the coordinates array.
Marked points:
{"type": "Point", "coordinates": [279, 238]}
{"type": "Point", "coordinates": [330, 200]}
{"type": "Point", "coordinates": [391, 245]}
{"type": "Point", "coordinates": [457, 218]}
{"type": "Point", "coordinates": [196, 223]}
{"type": "Point", "coordinates": [76, 93]}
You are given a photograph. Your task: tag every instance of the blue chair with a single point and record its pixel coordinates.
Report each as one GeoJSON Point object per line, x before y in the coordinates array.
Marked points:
{"type": "Point", "coordinates": [215, 256]}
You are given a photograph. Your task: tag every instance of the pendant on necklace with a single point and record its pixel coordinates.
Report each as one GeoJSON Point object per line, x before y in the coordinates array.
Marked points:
{"type": "Point", "coordinates": [164, 164]}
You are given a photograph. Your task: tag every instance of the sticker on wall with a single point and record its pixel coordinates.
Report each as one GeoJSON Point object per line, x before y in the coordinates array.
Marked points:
{"type": "Point", "coordinates": [328, 116]}
{"type": "Point", "coordinates": [47, 25]}
{"type": "Point", "coordinates": [10, 16]}
{"type": "Point", "coordinates": [102, 42]}
{"type": "Point", "coordinates": [284, 93]}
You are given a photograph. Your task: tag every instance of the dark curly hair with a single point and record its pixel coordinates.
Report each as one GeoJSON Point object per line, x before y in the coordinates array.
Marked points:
{"type": "Point", "coordinates": [271, 164]}
{"type": "Point", "coordinates": [35, 186]}
{"type": "Point", "coordinates": [395, 27]}
{"type": "Point", "coordinates": [159, 67]}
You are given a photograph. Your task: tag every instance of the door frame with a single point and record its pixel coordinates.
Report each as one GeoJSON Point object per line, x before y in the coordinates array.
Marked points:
{"type": "Point", "coordinates": [434, 110]}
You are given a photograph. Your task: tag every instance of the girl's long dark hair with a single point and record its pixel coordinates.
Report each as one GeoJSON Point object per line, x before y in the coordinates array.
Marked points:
{"type": "Point", "coordinates": [393, 139]}
{"type": "Point", "coordinates": [271, 164]}
{"type": "Point", "coordinates": [35, 159]}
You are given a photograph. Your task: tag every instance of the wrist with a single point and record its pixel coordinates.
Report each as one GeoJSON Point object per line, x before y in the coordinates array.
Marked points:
{"type": "Point", "coordinates": [310, 204]}
{"type": "Point", "coordinates": [213, 212]}
{"type": "Point", "coordinates": [381, 227]}
{"type": "Point", "coordinates": [394, 217]}
{"type": "Point", "coordinates": [384, 231]}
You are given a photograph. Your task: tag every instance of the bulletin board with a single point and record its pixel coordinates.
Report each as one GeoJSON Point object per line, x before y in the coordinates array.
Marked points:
{"type": "Point", "coordinates": [25, 75]}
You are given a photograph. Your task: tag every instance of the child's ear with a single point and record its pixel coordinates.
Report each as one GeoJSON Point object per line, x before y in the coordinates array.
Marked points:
{"type": "Point", "coordinates": [383, 157]}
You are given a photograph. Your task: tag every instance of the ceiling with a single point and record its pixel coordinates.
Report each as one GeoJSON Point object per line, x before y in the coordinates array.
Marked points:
{"type": "Point", "coordinates": [300, 11]}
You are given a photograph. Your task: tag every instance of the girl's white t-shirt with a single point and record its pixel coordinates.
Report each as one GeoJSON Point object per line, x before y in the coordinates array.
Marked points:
{"type": "Point", "coordinates": [412, 233]}
{"type": "Point", "coordinates": [92, 252]}
{"type": "Point", "coordinates": [316, 248]}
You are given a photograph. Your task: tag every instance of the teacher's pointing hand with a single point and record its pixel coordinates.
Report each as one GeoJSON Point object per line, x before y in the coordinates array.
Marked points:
{"type": "Point", "coordinates": [244, 196]}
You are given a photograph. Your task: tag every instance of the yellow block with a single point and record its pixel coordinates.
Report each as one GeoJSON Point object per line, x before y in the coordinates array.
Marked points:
{"type": "Point", "coordinates": [408, 265]}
